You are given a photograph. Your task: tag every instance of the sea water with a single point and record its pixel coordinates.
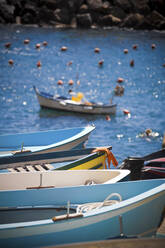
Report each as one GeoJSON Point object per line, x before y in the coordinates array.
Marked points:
{"type": "Point", "coordinates": [144, 83]}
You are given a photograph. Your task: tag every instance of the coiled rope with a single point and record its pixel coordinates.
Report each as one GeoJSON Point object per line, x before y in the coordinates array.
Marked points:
{"type": "Point", "coordinates": [83, 208]}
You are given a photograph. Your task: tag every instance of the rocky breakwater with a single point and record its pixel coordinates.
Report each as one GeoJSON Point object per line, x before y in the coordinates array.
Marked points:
{"type": "Point", "coordinates": [137, 14]}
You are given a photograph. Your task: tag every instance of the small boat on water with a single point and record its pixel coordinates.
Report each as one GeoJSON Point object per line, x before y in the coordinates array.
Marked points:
{"type": "Point", "coordinates": [98, 158]}
{"type": "Point", "coordinates": [47, 100]}
{"type": "Point", "coordinates": [44, 141]}
{"type": "Point", "coordinates": [62, 178]}
{"type": "Point", "coordinates": [63, 215]}
{"type": "Point", "coordinates": [151, 166]}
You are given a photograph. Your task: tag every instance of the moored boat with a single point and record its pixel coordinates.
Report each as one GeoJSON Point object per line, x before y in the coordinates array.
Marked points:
{"type": "Point", "coordinates": [43, 217]}
{"type": "Point", "coordinates": [44, 141]}
{"type": "Point", "coordinates": [89, 158]}
{"type": "Point", "coordinates": [47, 100]}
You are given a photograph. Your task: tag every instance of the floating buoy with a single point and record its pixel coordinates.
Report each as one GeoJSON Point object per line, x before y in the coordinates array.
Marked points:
{"type": "Point", "coordinates": [11, 62]}
{"type": "Point", "coordinates": [120, 80]}
{"type": "Point", "coordinates": [64, 48]}
{"type": "Point", "coordinates": [38, 64]}
{"type": "Point", "coordinates": [69, 63]}
{"type": "Point", "coordinates": [101, 62]}
{"type": "Point", "coordinates": [45, 43]}
{"type": "Point", "coordinates": [38, 45]}
{"type": "Point", "coordinates": [70, 82]}
{"type": "Point", "coordinates": [126, 111]}
{"type": "Point", "coordinates": [8, 45]}
{"type": "Point", "coordinates": [26, 41]}
{"type": "Point", "coordinates": [119, 90]}
{"type": "Point", "coordinates": [108, 118]}
{"type": "Point", "coordinates": [60, 82]}
{"type": "Point", "coordinates": [125, 50]}
{"type": "Point", "coordinates": [97, 50]}
{"type": "Point", "coordinates": [132, 62]}
{"type": "Point", "coordinates": [153, 46]}
{"type": "Point", "coordinates": [78, 82]}
{"type": "Point", "coordinates": [135, 46]}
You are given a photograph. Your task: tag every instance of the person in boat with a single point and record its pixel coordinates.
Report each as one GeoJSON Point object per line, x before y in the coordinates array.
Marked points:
{"type": "Point", "coordinates": [79, 98]}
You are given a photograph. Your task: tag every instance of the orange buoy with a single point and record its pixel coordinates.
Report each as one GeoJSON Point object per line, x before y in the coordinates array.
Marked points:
{"type": "Point", "coordinates": [153, 46]}
{"type": "Point", "coordinates": [119, 90]}
{"type": "Point", "coordinates": [132, 62]}
{"type": "Point", "coordinates": [26, 41]}
{"type": "Point", "coordinates": [101, 62]}
{"type": "Point", "coordinates": [108, 118]}
{"type": "Point", "coordinates": [70, 82]}
{"type": "Point", "coordinates": [97, 50]}
{"type": "Point", "coordinates": [64, 48]}
{"type": "Point", "coordinates": [39, 64]}
{"type": "Point", "coordinates": [8, 45]}
{"type": "Point", "coordinates": [38, 45]}
{"type": "Point", "coordinates": [125, 50]}
{"type": "Point", "coordinates": [135, 46]}
{"type": "Point", "coordinates": [120, 80]}
{"type": "Point", "coordinates": [11, 62]}
{"type": "Point", "coordinates": [69, 63]}
{"type": "Point", "coordinates": [60, 82]}
{"type": "Point", "coordinates": [45, 43]}
{"type": "Point", "coordinates": [78, 82]}
{"type": "Point", "coordinates": [126, 111]}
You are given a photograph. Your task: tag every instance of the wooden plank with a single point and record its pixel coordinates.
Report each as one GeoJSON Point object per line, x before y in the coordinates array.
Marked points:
{"type": "Point", "coordinates": [39, 167]}
{"type": "Point", "coordinates": [30, 168]}
{"type": "Point", "coordinates": [49, 166]}
{"type": "Point", "coordinates": [12, 170]}
{"type": "Point", "coordinates": [21, 169]}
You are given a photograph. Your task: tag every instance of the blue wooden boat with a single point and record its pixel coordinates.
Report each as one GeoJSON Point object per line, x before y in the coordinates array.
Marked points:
{"type": "Point", "coordinates": [44, 141]}
{"type": "Point", "coordinates": [88, 158]}
{"type": "Point", "coordinates": [47, 100]}
{"type": "Point", "coordinates": [43, 217]}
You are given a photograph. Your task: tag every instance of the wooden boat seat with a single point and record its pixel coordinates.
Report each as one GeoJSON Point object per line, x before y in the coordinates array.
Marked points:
{"type": "Point", "coordinates": [39, 167]}
{"type": "Point", "coordinates": [30, 168]}
{"type": "Point", "coordinates": [21, 169]}
{"type": "Point", "coordinates": [12, 170]}
{"type": "Point", "coordinates": [49, 166]}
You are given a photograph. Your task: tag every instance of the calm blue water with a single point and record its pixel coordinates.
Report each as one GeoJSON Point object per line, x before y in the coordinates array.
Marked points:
{"type": "Point", "coordinates": [144, 83]}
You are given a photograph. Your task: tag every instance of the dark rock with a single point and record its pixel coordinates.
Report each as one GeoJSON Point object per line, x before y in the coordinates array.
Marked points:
{"type": "Point", "coordinates": [133, 21]}
{"type": "Point", "coordinates": [109, 20]}
{"type": "Point", "coordinates": [158, 5]}
{"type": "Point", "coordinates": [2, 20]}
{"type": "Point", "coordinates": [118, 12]}
{"type": "Point", "coordinates": [156, 19]}
{"type": "Point", "coordinates": [140, 6]}
{"type": "Point", "coordinates": [125, 5]}
{"type": "Point", "coordinates": [50, 4]}
{"type": "Point", "coordinates": [94, 4]}
{"type": "Point", "coordinates": [84, 9]}
{"type": "Point", "coordinates": [7, 12]}
{"type": "Point", "coordinates": [62, 16]}
{"type": "Point", "coordinates": [84, 20]}
{"type": "Point", "coordinates": [46, 16]}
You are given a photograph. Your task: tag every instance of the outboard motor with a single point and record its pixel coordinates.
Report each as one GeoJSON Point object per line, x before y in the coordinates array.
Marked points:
{"type": "Point", "coordinates": [135, 165]}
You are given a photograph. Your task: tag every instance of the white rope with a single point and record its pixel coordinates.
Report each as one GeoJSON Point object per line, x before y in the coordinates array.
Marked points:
{"type": "Point", "coordinates": [83, 208]}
